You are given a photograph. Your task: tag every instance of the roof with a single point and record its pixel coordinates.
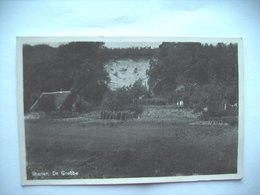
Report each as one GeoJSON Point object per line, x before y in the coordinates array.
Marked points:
{"type": "Point", "coordinates": [180, 88]}
{"type": "Point", "coordinates": [59, 98]}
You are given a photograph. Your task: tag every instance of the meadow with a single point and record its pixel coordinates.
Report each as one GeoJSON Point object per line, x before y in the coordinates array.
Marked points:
{"type": "Point", "coordinates": [128, 149]}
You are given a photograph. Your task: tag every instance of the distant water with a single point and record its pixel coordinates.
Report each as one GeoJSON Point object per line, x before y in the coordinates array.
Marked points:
{"type": "Point", "coordinates": [126, 72]}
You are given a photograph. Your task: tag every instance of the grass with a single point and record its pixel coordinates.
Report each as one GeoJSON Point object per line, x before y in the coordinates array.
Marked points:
{"type": "Point", "coordinates": [128, 149]}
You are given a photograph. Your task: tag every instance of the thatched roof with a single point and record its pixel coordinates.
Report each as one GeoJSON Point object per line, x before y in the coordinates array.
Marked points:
{"type": "Point", "coordinates": [59, 98]}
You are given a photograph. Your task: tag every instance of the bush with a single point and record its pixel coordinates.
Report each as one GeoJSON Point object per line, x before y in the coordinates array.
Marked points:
{"type": "Point", "coordinates": [82, 106]}
{"type": "Point", "coordinates": [152, 101]}
{"type": "Point", "coordinates": [62, 114]}
{"type": "Point", "coordinates": [137, 109]}
{"type": "Point", "coordinates": [120, 101]}
{"type": "Point", "coordinates": [232, 121]}
{"type": "Point", "coordinates": [111, 102]}
{"type": "Point", "coordinates": [212, 113]}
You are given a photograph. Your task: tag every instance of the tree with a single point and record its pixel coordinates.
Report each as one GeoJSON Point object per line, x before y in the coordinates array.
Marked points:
{"type": "Point", "coordinates": [91, 81]}
{"type": "Point", "coordinates": [205, 70]}
{"type": "Point", "coordinates": [123, 98]}
{"type": "Point", "coordinates": [36, 71]}
{"type": "Point", "coordinates": [52, 69]}
{"type": "Point", "coordinates": [138, 89]}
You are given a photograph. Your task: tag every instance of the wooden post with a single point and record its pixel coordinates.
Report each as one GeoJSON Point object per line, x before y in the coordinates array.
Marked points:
{"type": "Point", "coordinates": [121, 115]}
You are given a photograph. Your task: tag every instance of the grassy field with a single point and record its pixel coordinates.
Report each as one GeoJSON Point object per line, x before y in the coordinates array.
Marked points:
{"type": "Point", "coordinates": [129, 149]}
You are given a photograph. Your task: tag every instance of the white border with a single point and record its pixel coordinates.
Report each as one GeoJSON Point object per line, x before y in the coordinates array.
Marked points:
{"type": "Point", "coordinates": [35, 40]}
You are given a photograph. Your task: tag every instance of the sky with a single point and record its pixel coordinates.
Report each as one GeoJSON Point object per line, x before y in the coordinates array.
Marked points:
{"type": "Point", "coordinates": [132, 44]}
{"type": "Point", "coordinates": [110, 44]}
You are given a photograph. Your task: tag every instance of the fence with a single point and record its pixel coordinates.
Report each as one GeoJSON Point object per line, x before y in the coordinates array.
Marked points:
{"type": "Point", "coordinates": [117, 115]}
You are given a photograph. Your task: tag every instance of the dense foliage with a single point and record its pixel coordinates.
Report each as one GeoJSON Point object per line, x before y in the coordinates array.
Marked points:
{"type": "Point", "coordinates": [209, 74]}
{"type": "Point", "coordinates": [64, 68]}
{"type": "Point", "coordinates": [201, 75]}
{"type": "Point", "coordinates": [124, 98]}
{"type": "Point", "coordinates": [75, 66]}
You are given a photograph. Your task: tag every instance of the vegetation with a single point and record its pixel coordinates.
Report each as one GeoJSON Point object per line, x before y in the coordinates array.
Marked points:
{"type": "Point", "coordinates": [152, 101]}
{"type": "Point", "coordinates": [76, 66]}
{"type": "Point", "coordinates": [204, 77]}
{"type": "Point", "coordinates": [201, 75]}
{"type": "Point", "coordinates": [128, 149]}
{"type": "Point", "coordinates": [209, 74]}
{"type": "Point", "coordinates": [82, 106]}
{"type": "Point", "coordinates": [65, 67]}
{"type": "Point", "coordinates": [124, 98]}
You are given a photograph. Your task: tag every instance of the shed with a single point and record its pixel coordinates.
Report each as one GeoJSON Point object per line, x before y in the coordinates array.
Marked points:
{"type": "Point", "coordinates": [51, 101]}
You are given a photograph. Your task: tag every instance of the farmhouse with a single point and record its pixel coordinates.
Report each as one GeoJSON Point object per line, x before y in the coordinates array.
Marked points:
{"type": "Point", "coordinates": [52, 101]}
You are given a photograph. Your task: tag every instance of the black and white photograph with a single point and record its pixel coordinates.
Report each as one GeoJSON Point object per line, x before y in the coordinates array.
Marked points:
{"type": "Point", "coordinates": [117, 110]}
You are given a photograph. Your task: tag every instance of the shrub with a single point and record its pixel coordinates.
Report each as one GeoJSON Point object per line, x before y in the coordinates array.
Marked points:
{"type": "Point", "coordinates": [120, 101]}
{"type": "Point", "coordinates": [64, 114]}
{"type": "Point", "coordinates": [137, 109]}
{"type": "Point", "coordinates": [232, 121]}
{"type": "Point", "coordinates": [111, 102]}
{"type": "Point", "coordinates": [152, 101]}
{"type": "Point", "coordinates": [82, 106]}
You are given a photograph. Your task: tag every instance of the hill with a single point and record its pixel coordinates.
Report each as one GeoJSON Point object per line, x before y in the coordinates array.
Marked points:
{"type": "Point", "coordinates": [126, 71]}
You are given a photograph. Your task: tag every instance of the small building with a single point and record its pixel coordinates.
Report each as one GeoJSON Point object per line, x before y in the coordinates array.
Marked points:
{"type": "Point", "coordinates": [179, 95]}
{"type": "Point", "coordinates": [52, 101]}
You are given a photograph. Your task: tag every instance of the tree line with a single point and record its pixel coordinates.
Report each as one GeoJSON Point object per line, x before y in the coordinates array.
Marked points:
{"type": "Point", "coordinates": [207, 72]}
{"type": "Point", "coordinates": [75, 66]}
